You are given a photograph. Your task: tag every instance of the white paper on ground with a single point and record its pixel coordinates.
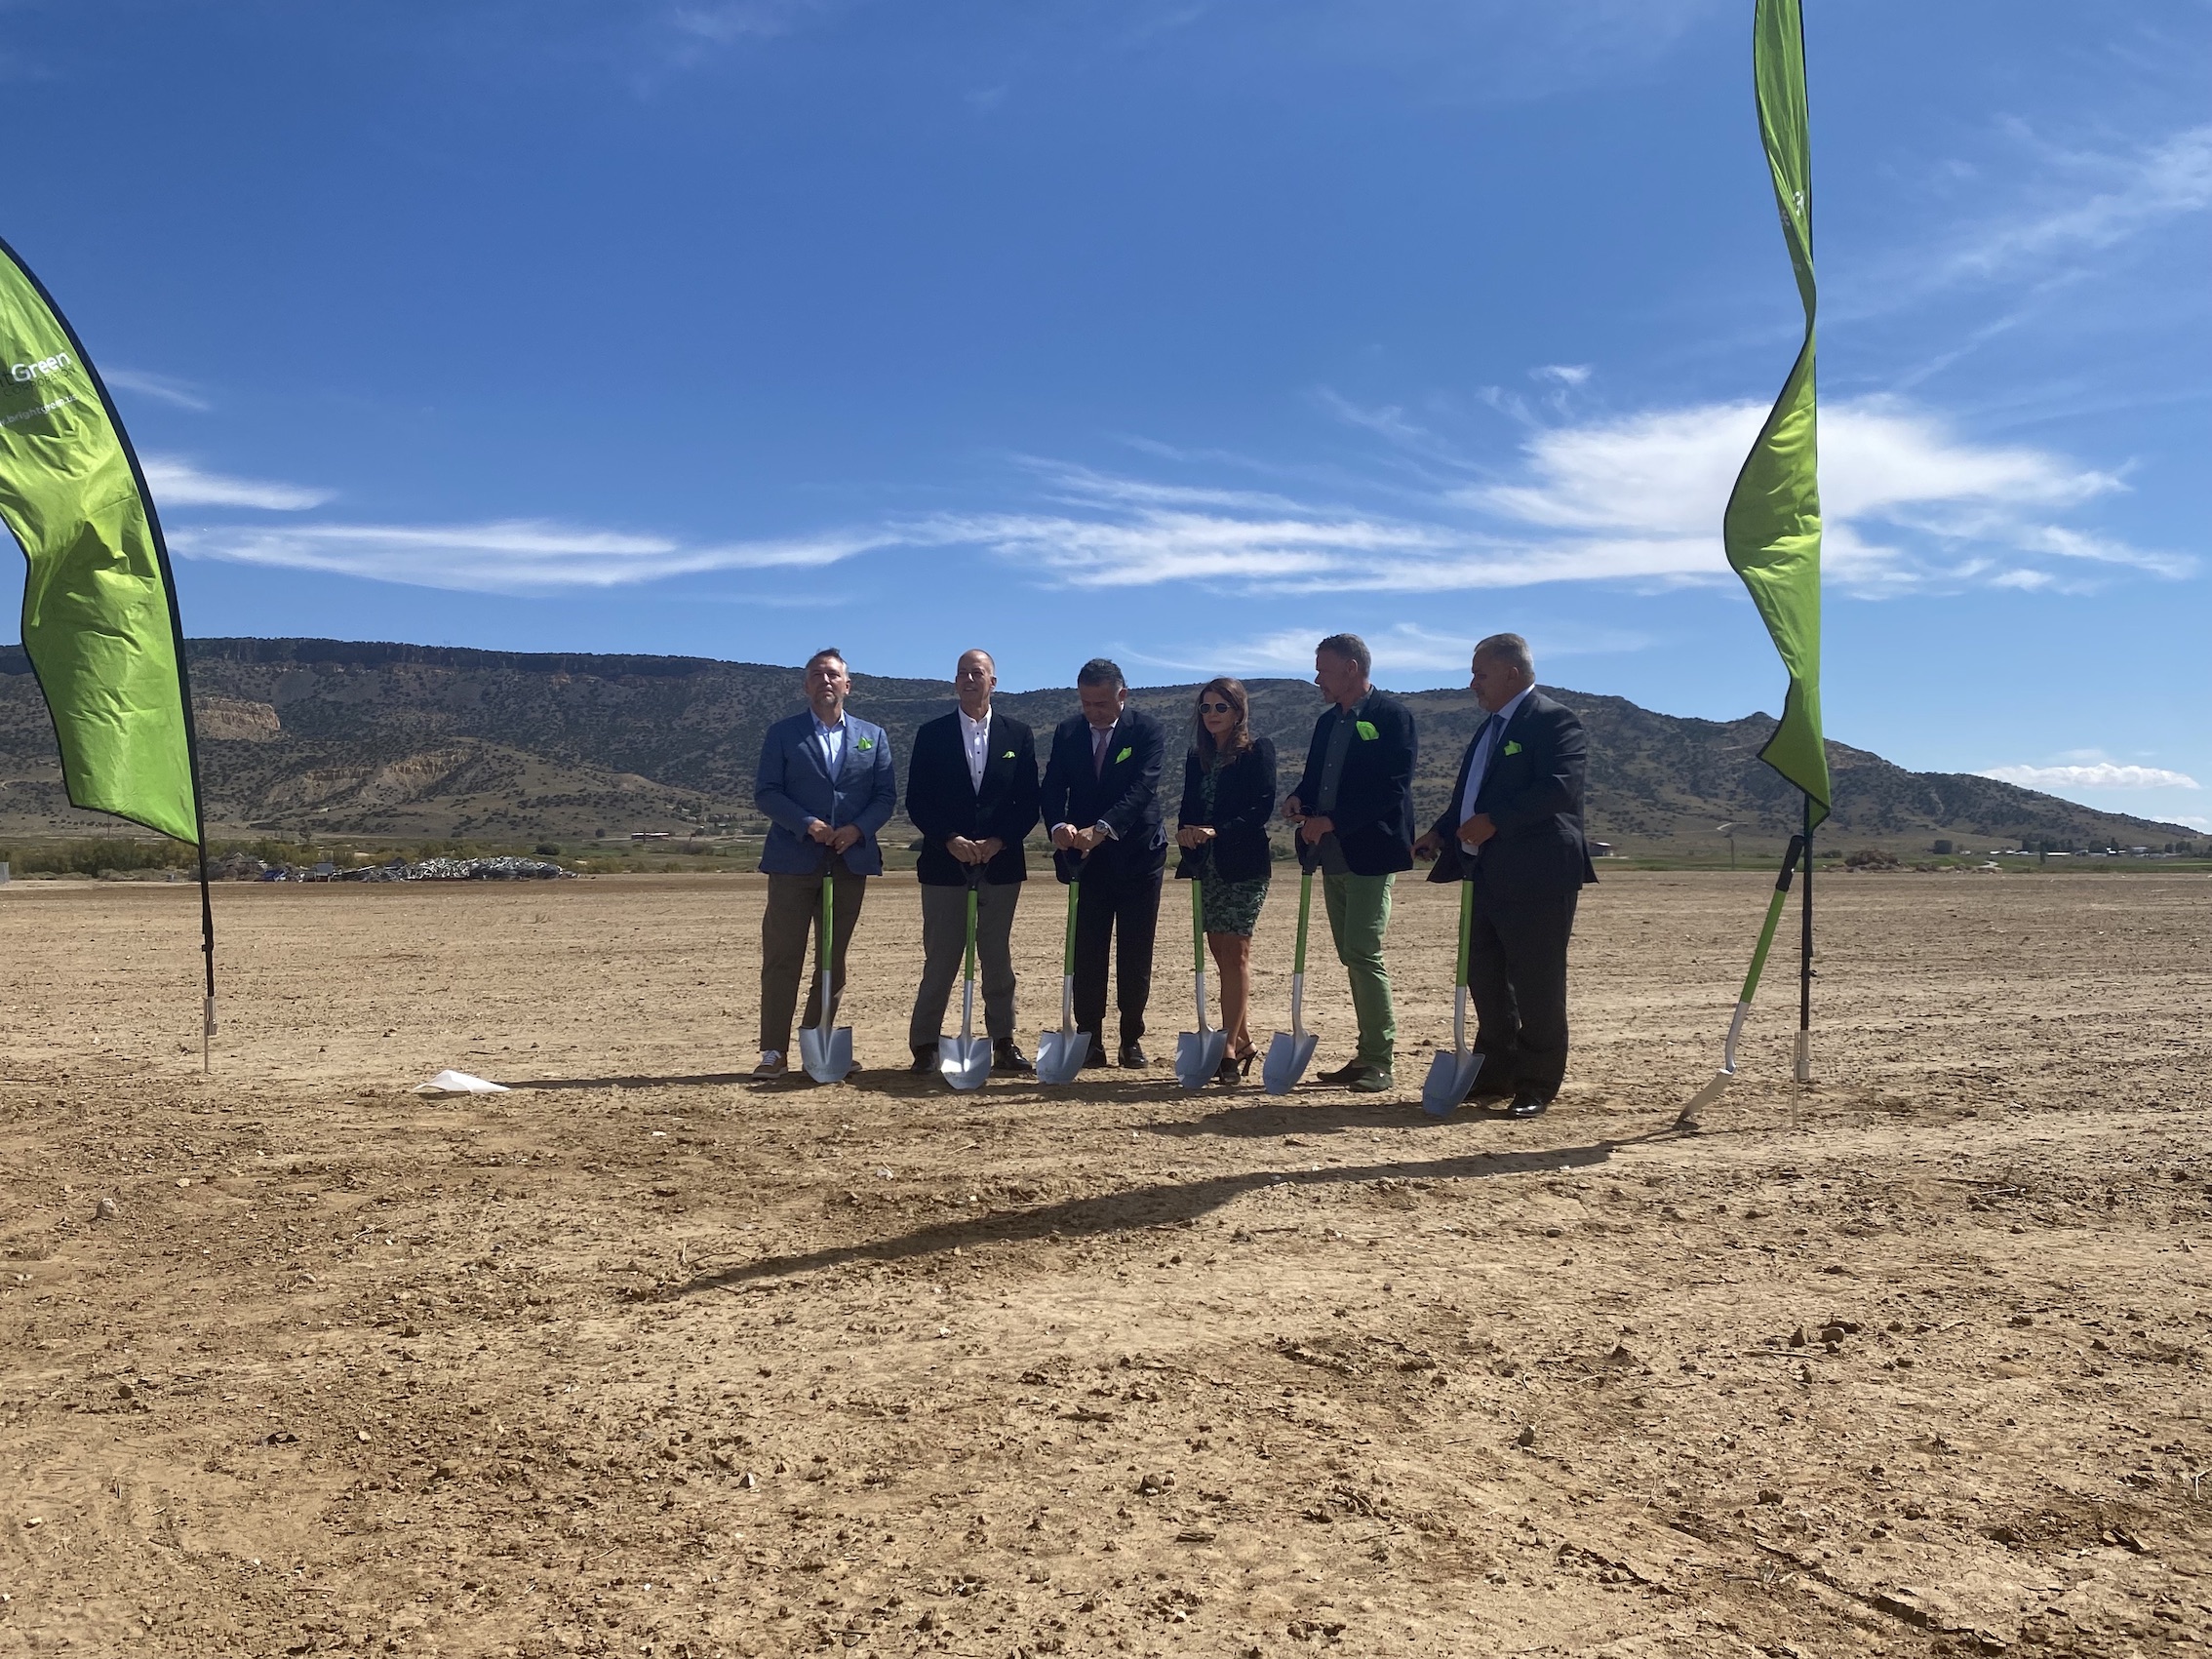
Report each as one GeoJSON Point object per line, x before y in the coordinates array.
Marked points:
{"type": "Point", "coordinates": [458, 1082]}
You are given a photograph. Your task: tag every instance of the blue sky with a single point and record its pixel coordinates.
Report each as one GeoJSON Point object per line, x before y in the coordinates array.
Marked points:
{"type": "Point", "coordinates": [1181, 330]}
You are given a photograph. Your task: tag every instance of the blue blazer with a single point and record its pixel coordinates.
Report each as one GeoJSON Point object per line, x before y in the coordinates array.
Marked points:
{"type": "Point", "coordinates": [794, 784]}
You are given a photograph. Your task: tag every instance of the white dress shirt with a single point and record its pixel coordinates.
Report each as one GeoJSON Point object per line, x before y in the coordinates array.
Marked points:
{"type": "Point", "coordinates": [1488, 740]}
{"type": "Point", "coordinates": [975, 740]}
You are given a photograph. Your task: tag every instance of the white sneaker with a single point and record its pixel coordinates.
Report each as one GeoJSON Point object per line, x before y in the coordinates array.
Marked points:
{"type": "Point", "coordinates": [769, 1068]}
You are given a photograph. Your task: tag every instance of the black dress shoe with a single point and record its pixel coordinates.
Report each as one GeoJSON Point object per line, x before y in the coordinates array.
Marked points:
{"type": "Point", "coordinates": [925, 1059]}
{"type": "Point", "coordinates": [1529, 1103]}
{"type": "Point", "coordinates": [1133, 1056]}
{"type": "Point", "coordinates": [1093, 1051]}
{"type": "Point", "coordinates": [1007, 1056]}
{"type": "Point", "coordinates": [1345, 1074]}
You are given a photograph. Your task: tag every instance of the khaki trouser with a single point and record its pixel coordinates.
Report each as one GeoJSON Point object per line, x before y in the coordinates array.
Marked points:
{"type": "Point", "coordinates": [944, 953]}
{"type": "Point", "coordinates": [794, 910]}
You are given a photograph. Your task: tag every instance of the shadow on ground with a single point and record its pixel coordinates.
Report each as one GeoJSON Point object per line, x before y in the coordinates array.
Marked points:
{"type": "Point", "coordinates": [1156, 1205]}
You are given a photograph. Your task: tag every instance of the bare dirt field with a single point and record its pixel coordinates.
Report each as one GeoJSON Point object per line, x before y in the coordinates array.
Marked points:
{"type": "Point", "coordinates": [644, 1360]}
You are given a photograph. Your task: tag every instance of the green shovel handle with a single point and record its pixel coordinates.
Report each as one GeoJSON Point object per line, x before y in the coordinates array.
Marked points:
{"type": "Point", "coordinates": [1067, 951]}
{"type": "Point", "coordinates": [1305, 911]}
{"type": "Point", "coordinates": [1198, 928]}
{"type": "Point", "coordinates": [969, 972]}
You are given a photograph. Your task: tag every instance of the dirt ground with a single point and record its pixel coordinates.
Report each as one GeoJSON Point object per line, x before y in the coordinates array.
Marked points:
{"type": "Point", "coordinates": [644, 1360]}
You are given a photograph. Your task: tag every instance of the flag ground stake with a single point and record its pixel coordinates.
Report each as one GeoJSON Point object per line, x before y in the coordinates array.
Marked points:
{"type": "Point", "coordinates": [1712, 1092]}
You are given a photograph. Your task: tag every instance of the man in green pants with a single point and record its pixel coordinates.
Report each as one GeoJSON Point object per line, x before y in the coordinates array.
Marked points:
{"type": "Point", "coordinates": [1354, 806]}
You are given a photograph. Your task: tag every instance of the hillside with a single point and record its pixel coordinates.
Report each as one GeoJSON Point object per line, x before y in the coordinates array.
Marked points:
{"type": "Point", "coordinates": [371, 739]}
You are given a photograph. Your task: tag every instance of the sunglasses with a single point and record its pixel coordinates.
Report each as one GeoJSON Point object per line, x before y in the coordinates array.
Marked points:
{"type": "Point", "coordinates": [1215, 708]}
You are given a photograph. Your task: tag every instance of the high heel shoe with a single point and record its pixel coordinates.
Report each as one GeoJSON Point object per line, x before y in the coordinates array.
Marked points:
{"type": "Point", "coordinates": [1234, 1068]}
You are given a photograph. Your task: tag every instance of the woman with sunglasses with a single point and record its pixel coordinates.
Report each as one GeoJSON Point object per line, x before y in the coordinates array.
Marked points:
{"type": "Point", "coordinates": [1228, 794]}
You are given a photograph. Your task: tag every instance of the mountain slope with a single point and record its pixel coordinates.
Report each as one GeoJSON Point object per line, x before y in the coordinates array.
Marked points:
{"type": "Point", "coordinates": [375, 740]}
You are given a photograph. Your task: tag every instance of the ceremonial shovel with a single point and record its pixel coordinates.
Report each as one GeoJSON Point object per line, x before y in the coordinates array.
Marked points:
{"type": "Point", "coordinates": [827, 1052]}
{"type": "Point", "coordinates": [1198, 1053]}
{"type": "Point", "coordinates": [1712, 1092]}
{"type": "Point", "coordinates": [1060, 1054]}
{"type": "Point", "coordinates": [1289, 1053]}
{"type": "Point", "coordinates": [1452, 1075]}
{"type": "Point", "coordinates": [965, 1060]}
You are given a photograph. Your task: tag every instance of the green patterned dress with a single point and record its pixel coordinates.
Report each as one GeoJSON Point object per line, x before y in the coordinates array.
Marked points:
{"type": "Point", "coordinates": [1229, 907]}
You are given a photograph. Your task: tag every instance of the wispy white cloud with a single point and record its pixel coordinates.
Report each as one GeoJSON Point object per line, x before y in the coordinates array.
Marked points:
{"type": "Point", "coordinates": [513, 556]}
{"type": "Point", "coordinates": [724, 22]}
{"type": "Point", "coordinates": [2104, 774]}
{"type": "Point", "coordinates": [1399, 649]}
{"type": "Point", "coordinates": [1637, 501]}
{"type": "Point", "coordinates": [178, 483]}
{"type": "Point", "coordinates": [166, 389]}
{"type": "Point", "coordinates": [2126, 195]}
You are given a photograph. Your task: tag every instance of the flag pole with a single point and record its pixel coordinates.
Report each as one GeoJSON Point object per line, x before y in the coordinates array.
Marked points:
{"type": "Point", "coordinates": [1804, 961]}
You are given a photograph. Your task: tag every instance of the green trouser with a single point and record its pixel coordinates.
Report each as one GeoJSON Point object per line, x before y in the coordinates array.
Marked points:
{"type": "Point", "coordinates": [1359, 910]}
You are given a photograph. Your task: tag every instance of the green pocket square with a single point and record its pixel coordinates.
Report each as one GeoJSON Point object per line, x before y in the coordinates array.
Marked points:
{"type": "Point", "coordinates": [1512, 749]}
{"type": "Point", "coordinates": [1123, 756]}
{"type": "Point", "coordinates": [863, 742]}
{"type": "Point", "coordinates": [1008, 756]}
{"type": "Point", "coordinates": [1367, 730]}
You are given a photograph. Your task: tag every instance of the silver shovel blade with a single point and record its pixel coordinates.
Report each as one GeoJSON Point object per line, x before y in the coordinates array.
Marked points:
{"type": "Point", "coordinates": [1197, 1056]}
{"type": "Point", "coordinates": [965, 1061]}
{"type": "Point", "coordinates": [826, 1056]}
{"type": "Point", "coordinates": [1697, 1103]}
{"type": "Point", "coordinates": [1286, 1060]}
{"type": "Point", "coordinates": [1060, 1054]}
{"type": "Point", "coordinates": [1452, 1075]}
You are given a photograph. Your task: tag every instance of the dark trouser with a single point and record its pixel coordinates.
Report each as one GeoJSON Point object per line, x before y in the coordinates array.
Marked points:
{"type": "Point", "coordinates": [1517, 976]}
{"type": "Point", "coordinates": [1104, 901]}
{"type": "Point", "coordinates": [794, 910]}
{"type": "Point", "coordinates": [944, 954]}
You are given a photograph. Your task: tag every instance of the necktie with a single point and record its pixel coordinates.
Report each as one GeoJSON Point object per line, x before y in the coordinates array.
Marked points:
{"type": "Point", "coordinates": [1098, 750]}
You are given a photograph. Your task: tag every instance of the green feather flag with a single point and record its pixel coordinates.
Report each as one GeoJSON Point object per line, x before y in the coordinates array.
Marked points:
{"type": "Point", "coordinates": [99, 609]}
{"type": "Point", "coordinates": [100, 620]}
{"type": "Point", "coordinates": [1772, 526]}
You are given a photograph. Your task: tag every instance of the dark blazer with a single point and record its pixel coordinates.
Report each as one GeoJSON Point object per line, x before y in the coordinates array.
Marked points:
{"type": "Point", "coordinates": [1532, 792]}
{"type": "Point", "coordinates": [1243, 799]}
{"type": "Point", "coordinates": [1124, 797]}
{"type": "Point", "coordinates": [943, 803]}
{"type": "Point", "coordinates": [1375, 798]}
{"type": "Point", "coordinates": [793, 785]}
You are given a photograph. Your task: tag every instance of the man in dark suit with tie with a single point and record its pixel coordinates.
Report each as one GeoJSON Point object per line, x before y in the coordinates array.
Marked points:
{"type": "Point", "coordinates": [1515, 830]}
{"type": "Point", "coordinates": [971, 791]}
{"type": "Point", "coordinates": [1102, 802]}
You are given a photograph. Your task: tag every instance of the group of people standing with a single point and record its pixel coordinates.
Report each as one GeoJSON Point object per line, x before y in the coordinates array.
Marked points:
{"type": "Point", "coordinates": [828, 785]}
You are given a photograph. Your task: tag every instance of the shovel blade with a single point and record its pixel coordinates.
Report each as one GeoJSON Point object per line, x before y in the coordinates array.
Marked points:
{"type": "Point", "coordinates": [965, 1061]}
{"type": "Point", "coordinates": [827, 1054]}
{"type": "Point", "coordinates": [1285, 1063]}
{"type": "Point", "coordinates": [1197, 1056]}
{"type": "Point", "coordinates": [1696, 1106]}
{"type": "Point", "coordinates": [1060, 1054]}
{"type": "Point", "coordinates": [1451, 1074]}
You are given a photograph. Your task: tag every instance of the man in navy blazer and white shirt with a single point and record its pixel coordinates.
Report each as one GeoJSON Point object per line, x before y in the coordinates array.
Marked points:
{"type": "Point", "coordinates": [827, 785]}
{"type": "Point", "coordinates": [1515, 830]}
{"type": "Point", "coordinates": [971, 791]}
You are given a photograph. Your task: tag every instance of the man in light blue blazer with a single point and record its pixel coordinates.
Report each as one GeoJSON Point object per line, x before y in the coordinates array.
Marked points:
{"type": "Point", "coordinates": [827, 785]}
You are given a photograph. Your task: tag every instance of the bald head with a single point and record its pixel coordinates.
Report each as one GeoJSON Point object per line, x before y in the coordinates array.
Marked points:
{"type": "Point", "coordinates": [974, 678]}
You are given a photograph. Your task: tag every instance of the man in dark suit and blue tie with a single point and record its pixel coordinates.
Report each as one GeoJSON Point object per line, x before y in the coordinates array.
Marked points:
{"type": "Point", "coordinates": [1102, 801]}
{"type": "Point", "coordinates": [827, 785]}
{"type": "Point", "coordinates": [971, 791]}
{"type": "Point", "coordinates": [1515, 830]}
